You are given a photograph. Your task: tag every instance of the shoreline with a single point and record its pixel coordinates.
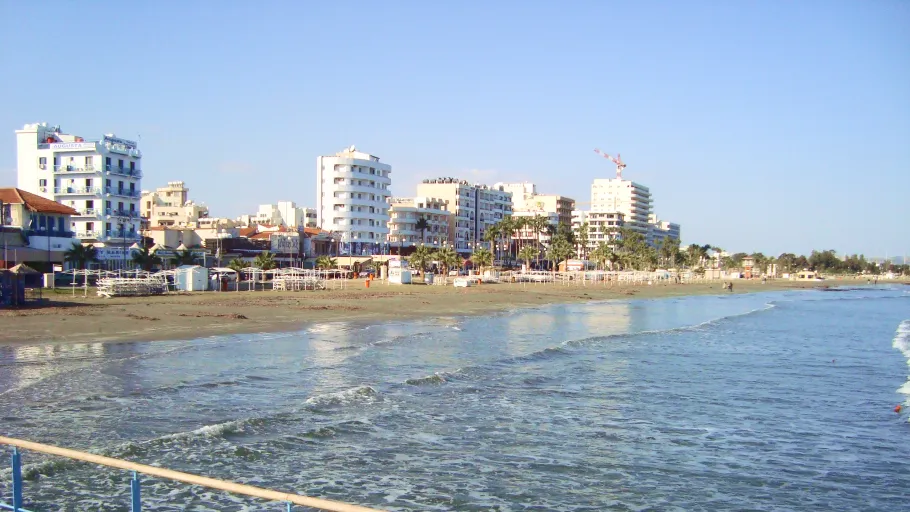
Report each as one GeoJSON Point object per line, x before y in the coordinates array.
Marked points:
{"type": "Point", "coordinates": [185, 316]}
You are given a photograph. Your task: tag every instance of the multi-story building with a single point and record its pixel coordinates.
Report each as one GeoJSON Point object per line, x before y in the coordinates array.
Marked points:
{"type": "Point", "coordinates": [474, 208]}
{"type": "Point", "coordinates": [34, 229]}
{"type": "Point", "coordinates": [627, 197]}
{"type": "Point", "coordinates": [100, 179]}
{"type": "Point", "coordinates": [170, 206]}
{"type": "Point", "coordinates": [404, 214]}
{"type": "Point", "coordinates": [526, 199]}
{"type": "Point", "coordinates": [661, 229]}
{"type": "Point", "coordinates": [284, 213]}
{"type": "Point", "coordinates": [352, 194]}
{"type": "Point", "coordinates": [602, 227]}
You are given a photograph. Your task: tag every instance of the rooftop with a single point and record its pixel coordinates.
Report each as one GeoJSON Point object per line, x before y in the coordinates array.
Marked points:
{"type": "Point", "coordinates": [34, 202]}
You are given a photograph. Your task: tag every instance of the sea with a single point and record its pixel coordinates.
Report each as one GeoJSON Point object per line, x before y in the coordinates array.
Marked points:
{"type": "Point", "coordinates": [747, 402]}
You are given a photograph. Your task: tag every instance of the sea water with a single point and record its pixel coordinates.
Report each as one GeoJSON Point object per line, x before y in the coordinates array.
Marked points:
{"type": "Point", "coordinates": [772, 401]}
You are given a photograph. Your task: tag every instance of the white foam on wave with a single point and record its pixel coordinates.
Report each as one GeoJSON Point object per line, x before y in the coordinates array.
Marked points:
{"type": "Point", "coordinates": [902, 342]}
{"type": "Point", "coordinates": [358, 395]}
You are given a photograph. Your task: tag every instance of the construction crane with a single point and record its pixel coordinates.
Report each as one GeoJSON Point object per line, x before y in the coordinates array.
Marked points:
{"type": "Point", "coordinates": [618, 161]}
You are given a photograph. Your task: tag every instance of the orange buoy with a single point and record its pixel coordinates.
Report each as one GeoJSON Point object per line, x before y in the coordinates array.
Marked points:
{"type": "Point", "coordinates": [898, 408]}
{"type": "Point", "coordinates": [367, 282]}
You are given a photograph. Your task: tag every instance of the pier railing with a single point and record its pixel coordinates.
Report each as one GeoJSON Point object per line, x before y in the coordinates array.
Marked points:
{"type": "Point", "coordinates": [141, 469]}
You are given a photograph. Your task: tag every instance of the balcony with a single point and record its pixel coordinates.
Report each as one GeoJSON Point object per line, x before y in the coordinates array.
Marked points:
{"type": "Point", "coordinates": [131, 214]}
{"type": "Point", "coordinates": [122, 192]}
{"type": "Point", "coordinates": [123, 171]}
{"type": "Point", "coordinates": [124, 234]}
{"type": "Point", "coordinates": [84, 191]}
{"type": "Point", "coordinates": [48, 232]}
{"type": "Point", "coordinates": [88, 212]}
{"type": "Point", "coordinates": [88, 235]}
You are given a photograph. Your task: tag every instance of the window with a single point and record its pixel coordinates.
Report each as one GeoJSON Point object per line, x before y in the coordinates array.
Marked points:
{"type": "Point", "coordinates": [120, 162]}
{"type": "Point", "coordinates": [56, 161]}
{"type": "Point", "coordinates": [42, 183]}
{"type": "Point", "coordinates": [88, 183]}
{"type": "Point", "coordinates": [132, 187]}
{"type": "Point", "coordinates": [132, 166]}
{"type": "Point", "coordinates": [60, 224]}
{"type": "Point", "coordinates": [107, 204]}
{"type": "Point", "coordinates": [148, 205]}
{"type": "Point", "coordinates": [107, 183]}
{"type": "Point", "coordinates": [120, 186]}
{"type": "Point", "coordinates": [90, 204]}
{"type": "Point", "coordinates": [88, 161]}
{"type": "Point", "coordinates": [107, 162]}
{"type": "Point", "coordinates": [89, 226]}
{"type": "Point", "coordinates": [120, 206]}
{"type": "Point", "coordinates": [107, 228]}
{"type": "Point", "coordinates": [132, 207]}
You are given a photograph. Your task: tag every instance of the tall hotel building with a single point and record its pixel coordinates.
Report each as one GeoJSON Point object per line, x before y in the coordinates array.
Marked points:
{"type": "Point", "coordinates": [352, 199]}
{"type": "Point", "coordinates": [474, 208]}
{"type": "Point", "coordinates": [630, 199]}
{"type": "Point", "coordinates": [100, 179]}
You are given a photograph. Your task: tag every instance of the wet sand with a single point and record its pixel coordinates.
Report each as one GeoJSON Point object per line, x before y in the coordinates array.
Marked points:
{"type": "Point", "coordinates": [75, 319]}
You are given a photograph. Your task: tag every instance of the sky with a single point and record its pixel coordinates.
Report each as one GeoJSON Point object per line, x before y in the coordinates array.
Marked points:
{"type": "Point", "coordinates": [768, 126]}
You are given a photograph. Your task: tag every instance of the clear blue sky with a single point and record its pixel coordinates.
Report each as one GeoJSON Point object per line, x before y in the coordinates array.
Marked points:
{"type": "Point", "coordinates": [759, 126]}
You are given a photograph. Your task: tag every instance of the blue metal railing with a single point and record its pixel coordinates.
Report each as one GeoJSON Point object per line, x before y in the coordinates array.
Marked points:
{"type": "Point", "coordinates": [136, 488]}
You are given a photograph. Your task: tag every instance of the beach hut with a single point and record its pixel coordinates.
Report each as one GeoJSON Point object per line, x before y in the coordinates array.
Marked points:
{"type": "Point", "coordinates": [191, 278]}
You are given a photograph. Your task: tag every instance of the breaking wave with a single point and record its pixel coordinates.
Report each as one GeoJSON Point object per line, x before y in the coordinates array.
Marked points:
{"type": "Point", "coordinates": [358, 395]}
{"type": "Point", "coordinates": [902, 342]}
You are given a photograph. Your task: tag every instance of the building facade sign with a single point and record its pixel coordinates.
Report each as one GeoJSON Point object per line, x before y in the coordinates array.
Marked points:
{"type": "Point", "coordinates": [72, 146]}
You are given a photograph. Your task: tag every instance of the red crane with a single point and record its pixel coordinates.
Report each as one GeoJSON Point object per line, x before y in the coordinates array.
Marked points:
{"type": "Point", "coordinates": [618, 161]}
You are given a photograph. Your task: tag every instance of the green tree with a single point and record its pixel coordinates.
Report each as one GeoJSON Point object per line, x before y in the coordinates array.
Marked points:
{"type": "Point", "coordinates": [601, 254]}
{"type": "Point", "coordinates": [583, 236]}
{"type": "Point", "coordinates": [184, 257]}
{"type": "Point", "coordinates": [506, 228]}
{"type": "Point", "coordinates": [325, 262]}
{"type": "Point", "coordinates": [422, 225]}
{"type": "Point", "coordinates": [421, 257]}
{"type": "Point", "coordinates": [528, 253]}
{"type": "Point", "coordinates": [560, 249]}
{"type": "Point", "coordinates": [482, 258]}
{"type": "Point", "coordinates": [80, 255]}
{"type": "Point", "coordinates": [237, 265]}
{"type": "Point", "coordinates": [539, 224]}
{"type": "Point", "coordinates": [145, 260]}
{"type": "Point", "coordinates": [448, 258]}
{"type": "Point", "coordinates": [265, 261]}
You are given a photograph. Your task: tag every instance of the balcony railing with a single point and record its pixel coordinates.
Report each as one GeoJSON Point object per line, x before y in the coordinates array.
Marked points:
{"type": "Point", "coordinates": [132, 214]}
{"type": "Point", "coordinates": [49, 232]}
{"type": "Point", "coordinates": [123, 171]}
{"type": "Point", "coordinates": [88, 212]}
{"type": "Point", "coordinates": [88, 235]}
{"type": "Point", "coordinates": [122, 192]}
{"type": "Point", "coordinates": [77, 190]}
{"type": "Point", "coordinates": [122, 233]}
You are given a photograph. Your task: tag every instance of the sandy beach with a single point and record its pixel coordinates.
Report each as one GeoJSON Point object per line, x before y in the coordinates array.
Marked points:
{"type": "Point", "coordinates": [75, 319]}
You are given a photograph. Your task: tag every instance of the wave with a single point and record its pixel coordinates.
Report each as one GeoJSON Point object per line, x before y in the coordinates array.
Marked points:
{"type": "Point", "coordinates": [437, 379]}
{"type": "Point", "coordinates": [358, 395]}
{"type": "Point", "coordinates": [902, 342]}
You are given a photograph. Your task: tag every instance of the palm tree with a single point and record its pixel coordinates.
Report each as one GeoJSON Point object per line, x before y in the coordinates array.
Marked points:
{"type": "Point", "coordinates": [560, 249]}
{"type": "Point", "coordinates": [265, 261]}
{"type": "Point", "coordinates": [583, 237]}
{"type": "Point", "coordinates": [326, 262]}
{"type": "Point", "coordinates": [421, 257]}
{"type": "Point", "coordinates": [184, 257]}
{"type": "Point", "coordinates": [528, 253]}
{"type": "Point", "coordinates": [145, 260]}
{"type": "Point", "coordinates": [506, 228]}
{"type": "Point", "coordinates": [422, 225]}
{"type": "Point", "coordinates": [601, 254]}
{"type": "Point", "coordinates": [448, 258]}
{"type": "Point", "coordinates": [81, 255]}
{"type": "Point", "coordinates": [491, 235]}
{"type": "Point", "coordinates": [482, 257]}
{"type": "Point", "coordinates": [237, 265]}
{"type": "Point", "coordinates": [540, 225]}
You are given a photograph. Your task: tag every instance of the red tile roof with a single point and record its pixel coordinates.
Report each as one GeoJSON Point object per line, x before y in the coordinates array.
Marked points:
{"type": "Point", "coordinates": [246, 232]}
{"type": "Point", "coordinates": [34, 202]}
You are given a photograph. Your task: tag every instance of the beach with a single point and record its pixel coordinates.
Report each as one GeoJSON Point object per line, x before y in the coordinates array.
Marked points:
{"type": "Point", "coordinates": [71, 318]}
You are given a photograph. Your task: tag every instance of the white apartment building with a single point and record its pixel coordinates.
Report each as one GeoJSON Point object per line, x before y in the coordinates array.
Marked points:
{"type": "Point", "coordinates": [99, 178]}
{"type": "Point", "coordinates": [602, 227]}
{"type": "Point", "coordinates": [283, 213]}
{"type": "Point", "coordinates": [526, 199]}
{"type": "Point", "coordinates": [661, 229]}
{"type": "Point", "coordinates": [352, 199]}
{"type": "Point", "coordinates": [404, 214]}
{"type": "Point", "coordinates": [474, 208]}
{"type": "Point", "coordinates": [170, 206]}
{"type": "Point", "coordinates": [627, 197]}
